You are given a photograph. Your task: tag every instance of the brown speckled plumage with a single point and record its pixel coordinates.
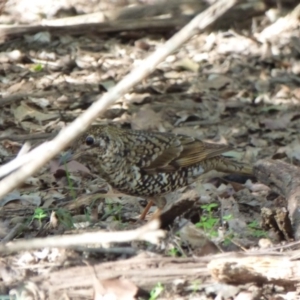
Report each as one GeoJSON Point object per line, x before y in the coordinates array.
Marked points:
{"type": "Point", "coordinates": [150, 164]}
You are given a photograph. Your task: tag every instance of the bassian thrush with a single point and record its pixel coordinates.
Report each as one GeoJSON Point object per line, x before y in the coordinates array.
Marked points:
{"type": "Point", "coordinates": [151, 164]}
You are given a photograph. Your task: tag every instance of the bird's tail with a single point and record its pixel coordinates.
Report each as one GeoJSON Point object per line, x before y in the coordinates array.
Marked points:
{"type": "Point", "coordinates": [228, 165]}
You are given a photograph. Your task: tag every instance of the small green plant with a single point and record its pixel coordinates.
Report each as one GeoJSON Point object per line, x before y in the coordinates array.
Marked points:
{"type": "Point", "coordinates": [156, 291]}
{"type": "Point", "coordinates": [208, 221]}
{"type": "Point", "coordinates": [87, 213]}
{"type": "Point", "coordinates": [64, 217]}
{"type": "Point", "coordinates": [253, 225]}
{"type": "Point", "coordinates": [207, 224]}
{"type": "Point", "coordinates": [39, 214]}
{"type": "Point", "coordinates": [113, 210]}
{"type": "Point", "coordinates": [255, 231]}
{"type": "Point", "coordinates": [173, 252]}
{"type": "Point", "coordinates": [227, 217]}
{"type": "Point", "coordinates": [37, 68]}
{"type": "Point", "coordinates": [209, 207]}
{"type": "Point", "coordinates": [196, 286]}
{"type": "Point", "coordinates": [228, 239]}
{"type": "Point", "coordinates": [259, 233]}
{"type": "Point", "coordinates": [117, 213]}
{"type": "Point", "coordinates": [70, 182]}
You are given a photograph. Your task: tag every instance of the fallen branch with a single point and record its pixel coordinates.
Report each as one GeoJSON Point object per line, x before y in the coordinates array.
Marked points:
{"type": "Point", "coordinates": [138, 17]}
{"type": "Point", "coordinates": [149, 232]}
{"type": "Point", "coordinates": [105, 27]}
{"type": "Point", "coordinates": [260, 269]}
{"type": "Point", "coordinates": [145, 272]}
{"type": "Point", "coordinates": [282, 25]}
{"type": "Point", "coordinates": [284, 179]}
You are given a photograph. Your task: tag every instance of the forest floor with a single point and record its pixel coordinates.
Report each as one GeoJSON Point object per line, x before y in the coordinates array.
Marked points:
{"type": "Point", "coordinates": [238, 86]}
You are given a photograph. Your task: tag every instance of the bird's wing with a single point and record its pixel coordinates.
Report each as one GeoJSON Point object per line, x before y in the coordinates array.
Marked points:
{"type": "Point", "coordinates": [168, 152]}
{"type": "Point", "coordinates": [195, 151]}
{"type": "Point", "coordinates": [151, 150]}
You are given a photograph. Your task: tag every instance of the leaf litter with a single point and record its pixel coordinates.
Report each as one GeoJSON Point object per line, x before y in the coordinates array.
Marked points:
{"type": "Point", "coordinates": [222, 87]}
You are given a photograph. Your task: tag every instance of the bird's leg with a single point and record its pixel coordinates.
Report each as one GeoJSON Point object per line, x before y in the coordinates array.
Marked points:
{"type": "Point", "coordinates": [146, 209]}
{"type": "Point", "coordinates": [160, 202]}
{"type": "Point", "coordinates": [156, 214]}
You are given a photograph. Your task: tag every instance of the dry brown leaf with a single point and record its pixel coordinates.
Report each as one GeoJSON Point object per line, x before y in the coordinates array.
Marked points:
{"type": "Point", "coordinates": [33, 199]}
{"type": "Point", "coordinates": [148, 119]}
{"type": "Point", "coordinates": [136, 97]}
{"type": "Point", "coordinates": [25, 112]}
{"type": "Point", "coordinates": [117, 289]}
{"type": "Point", "coordinates": [71, 166]}
{"type": "Point", "coordinates": [198, 240]}
{"type": "Point", "coordinates": [217, 82]}
{"type": "Point", "coordinates": [279, 123]}
{"type": "Point", "coordinates": [292, 150]}
{"type": "Point", "coordinates": [187, 64]}
{"type": "Point", "coordinates": [20, 86]}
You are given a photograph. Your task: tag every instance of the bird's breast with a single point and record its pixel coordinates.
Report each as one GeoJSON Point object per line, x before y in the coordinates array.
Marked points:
{"type": "Point", "coordinates": [136, 182]}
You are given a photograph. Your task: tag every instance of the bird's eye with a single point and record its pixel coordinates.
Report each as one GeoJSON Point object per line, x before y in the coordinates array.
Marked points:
{"type": "Point", "coordinates": [89, 141]}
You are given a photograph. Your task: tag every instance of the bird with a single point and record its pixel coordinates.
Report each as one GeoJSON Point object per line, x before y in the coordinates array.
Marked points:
{"type": "Point", "coordinates": [151, 164]}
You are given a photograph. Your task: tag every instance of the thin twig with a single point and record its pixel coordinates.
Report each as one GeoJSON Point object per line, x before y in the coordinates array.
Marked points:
{"type": "Point", "coordinates": [148, 232]}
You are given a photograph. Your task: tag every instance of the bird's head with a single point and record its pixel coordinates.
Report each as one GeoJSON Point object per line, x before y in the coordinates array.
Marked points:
{"type": "Point", "coordinates": [106, 140]}
{"type": "Point", "coordinates": [101, 148]}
